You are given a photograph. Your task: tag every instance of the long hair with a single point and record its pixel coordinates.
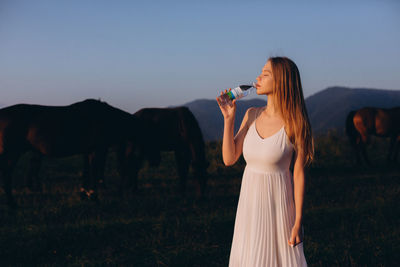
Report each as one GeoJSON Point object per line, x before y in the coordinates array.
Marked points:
{"type": "Point", "coordinates": [288, 94]}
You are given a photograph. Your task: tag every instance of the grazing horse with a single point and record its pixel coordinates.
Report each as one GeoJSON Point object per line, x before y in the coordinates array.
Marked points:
{"type": "Point", "coordinates": [169, 129]}
{"type": "Point", "coordinates": [88, 127]}
{"type": "Point", "coordinates": [367, 121]}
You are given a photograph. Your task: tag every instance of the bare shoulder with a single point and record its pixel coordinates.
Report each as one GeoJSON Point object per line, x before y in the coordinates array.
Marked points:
{"type": "Point", "coordinates": [250, 110]}
{"type": "Point", "coordinates": [250, 115]}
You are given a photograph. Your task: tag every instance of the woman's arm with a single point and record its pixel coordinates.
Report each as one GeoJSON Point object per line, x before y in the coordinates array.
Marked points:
{"type": "Point", "coordinates": [299, 189]}
{"type": "Point", "coordinates": [232, 146]}
{"type": "Point", "coordinates": [299, 186]}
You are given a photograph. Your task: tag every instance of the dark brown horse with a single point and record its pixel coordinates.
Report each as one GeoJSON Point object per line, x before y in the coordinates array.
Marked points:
{"type": "Point", "coordinates": [88, 127]}
{"type": "Point", "coordinates": [169, 129]}
{"type": "Point", "coordinates": [381, 122]}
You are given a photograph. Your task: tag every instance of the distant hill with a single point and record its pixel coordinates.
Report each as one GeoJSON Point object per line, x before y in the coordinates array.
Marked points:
{"type": "Point", "coordinates": [327, 109]}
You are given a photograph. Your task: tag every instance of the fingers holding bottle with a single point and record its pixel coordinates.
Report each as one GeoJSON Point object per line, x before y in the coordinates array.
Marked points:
{"type": "Point", "coordinates": [228, 107]}
{"type": "Point", "coordinates": [221, 99]}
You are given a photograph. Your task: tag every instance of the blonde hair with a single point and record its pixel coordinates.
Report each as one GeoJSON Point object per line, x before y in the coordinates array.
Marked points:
{"type": "Point", "coordinates": [287, 91]}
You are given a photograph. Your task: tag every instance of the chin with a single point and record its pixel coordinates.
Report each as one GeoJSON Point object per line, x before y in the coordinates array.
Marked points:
{"type": "Point", "coordinates": [260, 92]}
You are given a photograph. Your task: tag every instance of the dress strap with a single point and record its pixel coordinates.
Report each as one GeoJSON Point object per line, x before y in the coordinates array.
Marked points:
{"type": "Point", "coordinates": [255, 116]}
{"type": "Point", "coordinates": [258, 111]}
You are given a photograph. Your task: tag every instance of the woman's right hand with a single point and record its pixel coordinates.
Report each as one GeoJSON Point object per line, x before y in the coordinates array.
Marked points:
{"type": "Point", "coordinates": [227, 111]}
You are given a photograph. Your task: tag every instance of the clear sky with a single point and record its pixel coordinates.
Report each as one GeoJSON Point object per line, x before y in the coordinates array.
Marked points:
{"type": "Point", "coordinates": [135, 54]}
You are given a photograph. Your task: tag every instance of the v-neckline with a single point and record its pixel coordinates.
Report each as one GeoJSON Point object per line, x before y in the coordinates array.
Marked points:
{"type": "Point", "coordinates": [255, 128]}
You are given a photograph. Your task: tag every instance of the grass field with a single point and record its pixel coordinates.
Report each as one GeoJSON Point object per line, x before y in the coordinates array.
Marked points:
{"type": "Point", "coordinates": [351, 214]}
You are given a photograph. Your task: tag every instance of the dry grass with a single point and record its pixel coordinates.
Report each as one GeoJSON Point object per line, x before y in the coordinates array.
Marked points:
{"type": "Point", "coordinates": [351, 215]}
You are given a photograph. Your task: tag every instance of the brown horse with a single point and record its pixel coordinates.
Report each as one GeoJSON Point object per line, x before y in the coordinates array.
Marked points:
{"type": "Point", "coordinates": [381, 122]}
{"type": "Point", "coordinates": [88, 127]}
{"type": "Point", "coordinates": [169, 129]}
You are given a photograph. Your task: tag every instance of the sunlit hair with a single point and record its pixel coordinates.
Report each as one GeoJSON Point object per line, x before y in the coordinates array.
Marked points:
{"type": "Point", "coordinates": [288, 92]}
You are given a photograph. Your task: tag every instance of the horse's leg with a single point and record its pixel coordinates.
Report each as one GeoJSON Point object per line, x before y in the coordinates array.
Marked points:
{"type": "Point", "coordinates": [97, 171]}
{"type": "Point", "coordinates": [33, 178]}
{"type": "Point", "coordinates": [182, 161]}
{"type": "Point", "coordinates": [101, 168]}
{"type": "Point", "coordinates": [201, 174]}
{"type": "Point", "coordinates": [7, 164]}
{"type": "Point", "coordinates": [200, 165]}
{"type": "Point", "coordinates": [396, 149]}
{"type": "Point", "coordinates": [88, 183]}
{"type": "Point", "coordinates": [133, 170]}
{"type": "Point", "coordinates": [90, 172]}
{"type": "Point", "coordinates": [196, 152]}
{"type": "Point", "coordinates": [121, 166]}
{"type": "Point", "coordinates": [128, 167]}
{"type": "Point", "coordinates": [354, 140]}
{"type": "Point", "coordinates": [364, 153]}
{"type": "Point", "coordinates": [365, 140]}
{"type": "Point", "coordinates": [85, 173]}
{"type": "Point", "coordinates": [356, 144]}
{"type": "Point", "coordinates": [85, 176]}
{"type": "Point", "coordinates": [132, 167]}
{"type": "Point", "coordinates": [391, 149]}
{"type": "Point", "coordinates": [358, 154]}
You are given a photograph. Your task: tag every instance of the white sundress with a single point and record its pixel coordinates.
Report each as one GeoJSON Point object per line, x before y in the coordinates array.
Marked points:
{"type": "Point", "coordinates": [266, 211]}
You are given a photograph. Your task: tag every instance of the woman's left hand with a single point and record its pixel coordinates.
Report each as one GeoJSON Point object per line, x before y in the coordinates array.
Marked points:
{"type": "Point", "coordinates": [296, 236]}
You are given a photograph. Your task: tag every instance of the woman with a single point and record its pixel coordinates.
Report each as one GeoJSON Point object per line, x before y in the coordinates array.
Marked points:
{"type": "Point", "coordinates": [277, 145]}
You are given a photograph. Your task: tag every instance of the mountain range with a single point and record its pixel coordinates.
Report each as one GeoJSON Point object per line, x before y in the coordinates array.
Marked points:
{"type": "Point", "coordinates": [326, 109]}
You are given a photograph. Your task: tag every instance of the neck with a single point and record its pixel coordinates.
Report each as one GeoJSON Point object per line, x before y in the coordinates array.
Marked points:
{"type": "Point", "coordinates": [270, 109]}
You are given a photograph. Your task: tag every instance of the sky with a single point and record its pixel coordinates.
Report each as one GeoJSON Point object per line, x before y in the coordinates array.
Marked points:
{"type": "Point", "coordinates": [136, 54]}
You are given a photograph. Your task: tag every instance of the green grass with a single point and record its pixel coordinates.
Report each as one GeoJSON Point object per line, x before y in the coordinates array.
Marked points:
{"type": "Point", "coordinates": [351, 214]}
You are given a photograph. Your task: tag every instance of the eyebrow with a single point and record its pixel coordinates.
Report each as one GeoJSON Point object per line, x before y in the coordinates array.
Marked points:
{"type": "Point", "coordinates": [266, 71]}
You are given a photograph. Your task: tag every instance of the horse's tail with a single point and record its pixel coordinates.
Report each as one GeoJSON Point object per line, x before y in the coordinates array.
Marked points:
{"type": "Point", "coordinates": [191, 130]}
{"type": "Point", "coordinates": [351, 131]}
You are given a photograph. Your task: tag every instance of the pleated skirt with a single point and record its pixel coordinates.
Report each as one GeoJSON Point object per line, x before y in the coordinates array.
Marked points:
{"type": "Point", "coordinates": [264, 218]}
